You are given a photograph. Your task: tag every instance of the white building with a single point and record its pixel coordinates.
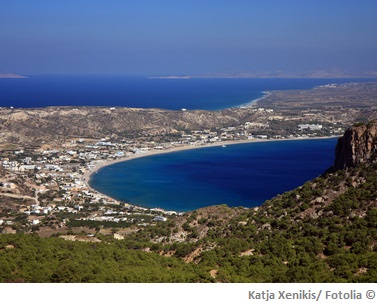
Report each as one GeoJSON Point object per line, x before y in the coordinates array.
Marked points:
{"type": "Point", "coordinates": [159, 218]}
{"type": "Point", "coordinates": [310, 126]}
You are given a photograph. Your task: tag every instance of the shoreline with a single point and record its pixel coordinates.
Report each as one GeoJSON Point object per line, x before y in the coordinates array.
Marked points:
{"type": "Point", "coordinates": [103, 163]}
{"type": "Point", "coordinates": [254, 103]}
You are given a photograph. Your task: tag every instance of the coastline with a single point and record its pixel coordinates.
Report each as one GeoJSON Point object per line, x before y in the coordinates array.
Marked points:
{"type": "Point", "coordinates": [103, 163]}
{"type": "Point", "coordinates": [254, 102]}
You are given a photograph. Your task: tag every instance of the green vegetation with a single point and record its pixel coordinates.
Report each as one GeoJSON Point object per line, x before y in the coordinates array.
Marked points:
{"type": "Point", "coordinates": [28, 258]}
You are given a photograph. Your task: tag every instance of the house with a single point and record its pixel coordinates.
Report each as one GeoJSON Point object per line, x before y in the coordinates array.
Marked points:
{"type": "Point", "coordinates": [262, 136]}
{"type": "Point", "coordinates": [27, 167]}
{"type": "Point", "coordinates": [159, 218]}
{"type": "Point", "coordinates": [118, 237]}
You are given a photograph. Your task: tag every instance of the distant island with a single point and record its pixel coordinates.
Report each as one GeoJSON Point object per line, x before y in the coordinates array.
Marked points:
{"type": "Point", "coordinates": [277, 74]}
{"type": "Point", "coordinates": [12, 76]}
{"type": "Point", "coordinates": [170, 77]}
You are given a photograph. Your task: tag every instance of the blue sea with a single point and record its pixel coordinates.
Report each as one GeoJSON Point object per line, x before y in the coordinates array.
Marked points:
{"type": "Point", "coordinates": [142, 92]}
{"type": "Point", "coordinates": [237, 175]}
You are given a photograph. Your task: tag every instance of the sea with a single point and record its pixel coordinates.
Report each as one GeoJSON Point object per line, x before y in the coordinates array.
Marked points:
{"type": "Point", "coordinates": [237, 175]}
{"type": "Point", "coordinates": [143, 92]}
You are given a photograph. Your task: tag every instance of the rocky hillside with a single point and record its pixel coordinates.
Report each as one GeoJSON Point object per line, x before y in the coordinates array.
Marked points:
{"type": "Point", "coordinates": [54, 125]}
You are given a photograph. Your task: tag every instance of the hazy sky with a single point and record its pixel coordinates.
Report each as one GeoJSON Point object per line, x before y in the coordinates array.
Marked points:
{"type": "Point", "coordinates": [150, 37]}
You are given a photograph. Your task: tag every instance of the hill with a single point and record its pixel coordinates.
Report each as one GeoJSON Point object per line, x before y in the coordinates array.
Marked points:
{"type": "Point", "coordinates": [323, 231]}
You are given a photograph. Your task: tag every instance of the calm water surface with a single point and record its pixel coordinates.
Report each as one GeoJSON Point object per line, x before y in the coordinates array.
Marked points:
{"type": "Point", "coordinates": [238, 175]}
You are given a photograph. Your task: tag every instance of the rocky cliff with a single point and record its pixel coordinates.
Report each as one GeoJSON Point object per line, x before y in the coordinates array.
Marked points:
{"type": "Point", "coordinates": [358, 145]}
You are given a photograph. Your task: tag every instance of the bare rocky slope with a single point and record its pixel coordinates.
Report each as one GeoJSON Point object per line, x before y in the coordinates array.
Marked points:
{"type": "Point", "coordinates": [56, 124]}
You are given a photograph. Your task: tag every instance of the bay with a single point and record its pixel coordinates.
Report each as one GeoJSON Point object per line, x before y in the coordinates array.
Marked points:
{"type": "Point", "coordinates": [237, 175]}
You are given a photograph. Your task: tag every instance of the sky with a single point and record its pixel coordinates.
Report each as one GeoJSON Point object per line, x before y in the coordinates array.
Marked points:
{"type": "Point", "coordinates": [192, 37]}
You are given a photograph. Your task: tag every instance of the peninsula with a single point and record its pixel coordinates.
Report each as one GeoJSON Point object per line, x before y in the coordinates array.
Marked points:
{"type": "Point", "coordinates": [12, 76]}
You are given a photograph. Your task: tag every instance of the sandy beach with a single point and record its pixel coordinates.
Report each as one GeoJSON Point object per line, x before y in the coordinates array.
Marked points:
{"type": "Point", "coordinates": [254, 103]}
{"type": "Point", "coordinates": [102, 163]}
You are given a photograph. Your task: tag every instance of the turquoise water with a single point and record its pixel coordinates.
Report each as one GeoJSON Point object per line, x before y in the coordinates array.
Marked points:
{"type": "Point", "coordinates": [238, 175]}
